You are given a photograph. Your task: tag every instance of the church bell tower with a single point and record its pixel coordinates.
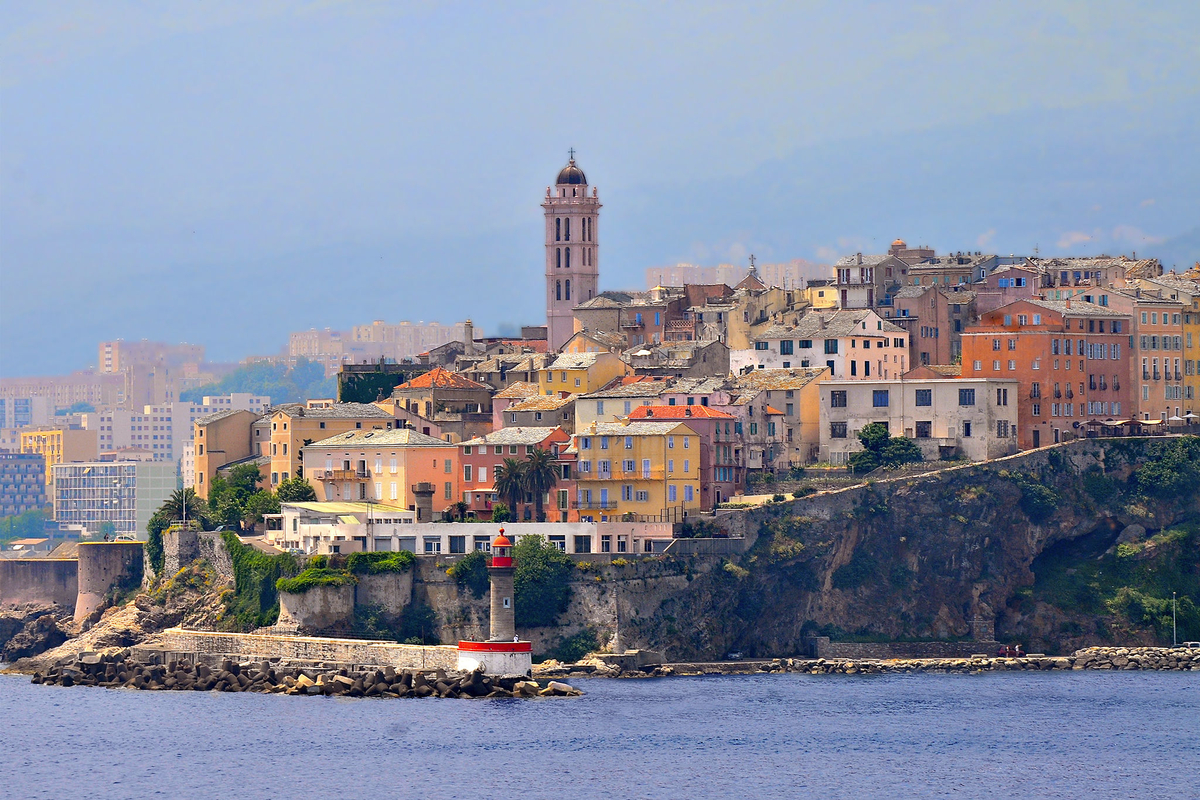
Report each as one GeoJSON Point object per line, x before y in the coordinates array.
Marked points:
{"type": "Point", "coordinates": [572, 250]}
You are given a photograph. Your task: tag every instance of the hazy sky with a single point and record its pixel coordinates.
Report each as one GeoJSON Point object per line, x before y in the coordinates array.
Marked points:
{"type": "Point", "coordinates": [224, 173]}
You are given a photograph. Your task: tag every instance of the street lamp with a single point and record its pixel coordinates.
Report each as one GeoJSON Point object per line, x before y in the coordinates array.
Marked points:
{"type": "Point", "coordinates": [1174, 639]}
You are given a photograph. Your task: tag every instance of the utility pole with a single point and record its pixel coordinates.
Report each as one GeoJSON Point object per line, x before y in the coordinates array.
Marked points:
{"type": "Point", "coordinates": [1174, 639]}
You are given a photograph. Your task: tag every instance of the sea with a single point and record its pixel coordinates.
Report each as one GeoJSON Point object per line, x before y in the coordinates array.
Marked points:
{"type": "Point", "coordinates": [1037, 735]}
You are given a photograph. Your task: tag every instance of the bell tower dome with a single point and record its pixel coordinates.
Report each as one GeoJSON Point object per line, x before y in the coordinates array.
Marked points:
{"type": "Point", "coordinates": [572, 211]}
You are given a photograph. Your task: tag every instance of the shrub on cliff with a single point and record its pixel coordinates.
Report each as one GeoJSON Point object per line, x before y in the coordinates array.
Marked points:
{"type": "Point", "coordinates": [540, 582]}
{"type": "Point", "coordinates": [312, 578]}
{"type": "Point", "coordinates": [573, 648]}
{"type": "Point", "coordinates": [1038, 501]}
{"type": "Point", "coordinates": [1172, 470]}
{"type": "Point", "coordinates": [254, 602]}
{"type": "Point", "coordinates": [882, 450]}
{"type": "Point", "coordinates": [378, 563]}
{"type": "Point", "coordinates": [471, 572]}
{"type": "Point", "coordinates": [860, 569]}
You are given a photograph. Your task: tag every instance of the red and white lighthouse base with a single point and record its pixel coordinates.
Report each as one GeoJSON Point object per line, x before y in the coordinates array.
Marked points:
{"type": "Point", "coordinates": [496, 658]}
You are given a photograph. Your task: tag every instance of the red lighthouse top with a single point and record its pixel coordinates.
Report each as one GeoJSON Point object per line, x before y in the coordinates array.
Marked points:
{"type": "Point", "coordinates": [502, 551]}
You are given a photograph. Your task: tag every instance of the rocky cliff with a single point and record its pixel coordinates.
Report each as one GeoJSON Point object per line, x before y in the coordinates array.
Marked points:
{"type": "Point", "coordinates": [1018, 541]}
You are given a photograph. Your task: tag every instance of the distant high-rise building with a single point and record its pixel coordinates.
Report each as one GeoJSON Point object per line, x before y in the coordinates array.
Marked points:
{"type": "Point", "coordinates": [572, 250]}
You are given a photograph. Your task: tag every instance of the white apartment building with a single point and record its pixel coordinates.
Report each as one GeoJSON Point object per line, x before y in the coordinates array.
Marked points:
{"type": "Point", "coordinates": [353, 527]}
{"type": "Point", "coordinates": [163, 430]}
{"type": "Point", "coordinates": [125, 493]}
{"type": "Point", "coordinates": [853, 344]}
{"type": "Point", "coordinates": [976, 417]}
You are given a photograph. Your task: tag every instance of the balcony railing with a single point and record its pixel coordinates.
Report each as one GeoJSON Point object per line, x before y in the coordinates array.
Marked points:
{"type": "Point", "coordinates": [341, 474]}
{"type": "Point", "coordinates": [598, 505]}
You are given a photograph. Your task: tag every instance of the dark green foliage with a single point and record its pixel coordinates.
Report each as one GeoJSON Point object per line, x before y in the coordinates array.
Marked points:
{"type": "Point", "coordinates": [1172, 469]}
{"type": "Point", "coordinates": [367, 387]}
{"type": "Point", "coordinates": [900, 576]}
{"type": "Point", "coordinates": [30, 525]}
{"type": "Point", "coordinates": [1038, 501]}
{"type": "Point", "coordinates": [540, 582]}
{"type": "Point", "coordinates": [154, 548]}
{"type": "Point", "coordinates": [312, 578]}
{"type": "Point", "coordinates": [540, 477]}
{"type": "Point", "coordinates": [418, 625]}
{"type": "Point", "coordinates": [378, 563]}
{"type": "Point", "coordinates": [861, 568]}
{"type": "Point", "coordinates": [573, 648]}
{"type": "Point", "coordinates": [173, 508]}
{"type": "Point", "coordinates": [704, 529]}
{"type": "Point", "coordinates": [509, 482]}
{"type": "Point", "coordinates": [80, 407]}
{"type": "Point", "coordinates": [803, 491]}
{"type": "Point", "coordinates": [371, 622]}
{"type": "Point", "coordinates": [777, 498]}
{"type": "Point", "coordinates": [471, 572]}
{"type": "Point", "coordinates": [254, 602]}
{"type": "Point", "coordinates": [305, 380]}
{"type": "Point", "coordinates": [1098, 485]}
{"type": "Point", "coordinates": [882, 450]}
{"type": "Point", "coordinates": [501, 513]}
{"type": "Point", "coordinates": [296, 490]}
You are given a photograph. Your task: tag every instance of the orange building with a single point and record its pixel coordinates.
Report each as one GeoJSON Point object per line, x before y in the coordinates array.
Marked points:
{"type": "Point", "coordinates": [1071, 361]}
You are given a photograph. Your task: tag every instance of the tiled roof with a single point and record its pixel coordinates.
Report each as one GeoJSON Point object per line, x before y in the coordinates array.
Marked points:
{"type": "Point", "coordinates": [837, 324]}
{"type": "Point", "coordinates": [211, 418]}
{"type": "Point", "coordinates": [638, 429]}
{"type": "Point", "coordinates": [867, 261]}
{"type": "Point", "coordinates": [603, 338]}
{"type": "Point", "coordinates": [515, 435]}
{"type": "Point", "coordinates": [698, 385]}
{"type": "Point", "coordinates": [396, 437]}
{"type": "Point", "coordinates": [912, 291]}
{"type": "Point", "coordinates": [776, 379]}
{"type": "Point", "coordinates": [574, 360]}
{"type": "Point", "coordinates": [1075, 307]}
{"type": "Point", "coordinates": [949, 370]}
{"type": "Point", "coordinates": [336, 411]}
{"type": "Point", "coordinates": [518, 390]}
{"type": "Point", "coordinates": [677, 412]}
{"type": "Point", "coordinates": [439, 378]}
{"type": "Point", "coordinates": [542, 402]}
{"type": "Point", "coordinates": [617, 389]}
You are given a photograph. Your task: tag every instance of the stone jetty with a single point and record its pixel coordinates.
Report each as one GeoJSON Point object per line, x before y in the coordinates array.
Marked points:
{"type": "Point", "coordinates": [119, 668]}
{"type": "Point", "coordinates": [1093, 658]}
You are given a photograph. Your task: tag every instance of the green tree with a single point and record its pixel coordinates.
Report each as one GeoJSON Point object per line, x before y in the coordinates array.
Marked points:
{"type": "Point", "coordinates": [244, 477]}
{"type": "Point", "coordinates": [260, 503]}
{"type": "Point", "coordinates": [500, 512]}
{"type": "Point", "coordinates": [540, 582]}
{"type": "Point", "coordinates": [471, 572]}
{"type": "Point", "coordinates": [295, 490]}
{"type": "Point", "coordinates": [882, 450]}
{"type": "Point", "coordinates": [181, 499]}
{"type": "Point", "coordinates": [509, 482]}
{"type": "Point", "coordinates": [540, 478]}
{"type": "Point", "coordinates": [28, 525]}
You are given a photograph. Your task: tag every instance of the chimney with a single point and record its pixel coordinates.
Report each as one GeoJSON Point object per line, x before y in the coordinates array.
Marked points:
{"type": "Point", "coordinates": [1068, 302]}
{"type": "Point", "coordinates": [687, 411]}
{"type": "Point", "coordinates": [424, 496]}
{"type": "Point", "coordinates": [859, 255]}
{"type": "Point", "coordinates": [649, 412]}
{"type": "Point", "coordinates": [468, 337]}
{"type": "Point", "coordinates": [821, 321]}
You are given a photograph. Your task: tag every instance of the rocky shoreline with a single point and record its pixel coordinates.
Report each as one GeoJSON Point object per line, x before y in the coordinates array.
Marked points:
{"type": "Point", "coordinates": [1091, 658]}
{"type": "Point", "coordinates": [117, 668]}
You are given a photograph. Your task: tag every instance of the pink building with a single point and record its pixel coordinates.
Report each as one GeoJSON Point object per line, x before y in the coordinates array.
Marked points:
{"type": "Point", "coordinates": [481, 457]}
{"type": "Point", "coordinates": [1005, 285]}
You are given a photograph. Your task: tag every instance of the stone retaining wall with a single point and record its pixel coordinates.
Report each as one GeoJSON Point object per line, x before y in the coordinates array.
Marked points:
{"type": "Point", "coordinates": [52, 581]}
{"type": "Point", "coordinates": [821, 647]}
{"type": "Point", "coordinates": [311, 649]}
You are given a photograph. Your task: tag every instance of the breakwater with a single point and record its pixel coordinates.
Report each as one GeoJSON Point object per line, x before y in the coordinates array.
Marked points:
{"type": "Point", "coordinates": [1095, 658]}
{"type": "Point", "coordinates": [124, 669]}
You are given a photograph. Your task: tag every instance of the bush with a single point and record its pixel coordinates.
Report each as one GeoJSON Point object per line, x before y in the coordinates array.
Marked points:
{"type": "Point", "coordinates": [573, 648]}
{"type": "Point", "coordinates": [803, 491]}
{"type": "Point", "coordinates": [860, 569]}
{"type": "Point", "coordinates": [540, 582]}
{"type": "Point", "coordinates": [378, 563]}
{"type": "Point", "coordinates": [418, 625]}
{"type": "Point", "coordinates": [1037, 500]}
{"type": "Point", "coordinates": [254, 602]}
{"type": "Point", "coordinates": [777, 498]}
{"type": "Point", "coordinates": [471, 572]}
{"type": "Point", "coordinates": [312, 578]}
{"type": "Point", "coordinates": [1099, 486]}
{"type": "Point", "coordinates": [1172, 470]}
{"type": "Point", "coordinates": [154, 549]}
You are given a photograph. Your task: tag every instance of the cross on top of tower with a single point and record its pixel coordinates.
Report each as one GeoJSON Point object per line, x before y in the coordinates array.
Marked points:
{"type": "Point", "coordinates": [752, 262]}
{"type": "Point", "coordinates": [571, 153]}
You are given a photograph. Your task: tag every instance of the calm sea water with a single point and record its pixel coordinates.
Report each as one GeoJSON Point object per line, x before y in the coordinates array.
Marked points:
{"type": "Point", "coordinates": [1078, 735]}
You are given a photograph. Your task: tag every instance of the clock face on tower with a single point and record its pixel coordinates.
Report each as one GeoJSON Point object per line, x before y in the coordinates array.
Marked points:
{"type": "Point", "coordinates": [572, 211]}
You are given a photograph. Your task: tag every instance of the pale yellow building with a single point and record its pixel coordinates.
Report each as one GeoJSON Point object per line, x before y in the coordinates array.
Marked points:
{"type": "Point", "coordinates": [60, 445]}
{"type": "Point", "coordinates": [220, 439]}
{"type": "Point", "coordinates": [580, 373]}
{"type": "Point", "coordinates": [649, 470]}
{"type": "Point", "coordinates": [295, 425]}
{"type": "Point", "coordinates": [1186, 291]}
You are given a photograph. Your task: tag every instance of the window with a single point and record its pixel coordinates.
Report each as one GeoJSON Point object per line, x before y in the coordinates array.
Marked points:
{"type": "Point", "coordinates": [628, 442]}
{"type": "Point", "coordinates": [831, 346]}
{"type": "Point", "coordinates": [966, 397]}
{"type": "Point", "coordinates": [837, 399]}
{"type": "Point", "coordinates": [449, 466]}
{"type": "Point", "coordinates": [879, 398]}
{"type": "Point", "coordinates": [688, 493]}
{"type": "Point", "coordinates": [837, 430]}
{"type": "Point", "coordinates": [448, 492]}
{"type": "Point", "coordinates": [924, 429]}
{"type": "Point", "coordinates": [924, 397]}
{"type": "Point", "coordinates": [672, 494]}
{"type": "Point", "coordinates": [760, 345]}
{"type": "Point", "coordinates": [967, 428]}
{"type": "Point", "coordinates": [977, 365]}
{"type": "Point", "coordinates": [467, 472]}
{"type": "Point", "coordinates": [785, 347]}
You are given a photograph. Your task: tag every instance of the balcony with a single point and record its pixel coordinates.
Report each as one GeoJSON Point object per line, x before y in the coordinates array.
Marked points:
{"type": "Point", "coordinates": [341, 475]}
{"type": "Point", "coordinates": [1157, 375]}
{"type": "Point", "coordinates": [631, 323]}
{"type": "Point", "coordinates": [594, 505]}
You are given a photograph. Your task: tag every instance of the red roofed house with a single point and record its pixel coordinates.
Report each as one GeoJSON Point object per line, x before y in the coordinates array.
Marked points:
{"type": "Point", "coordinates": [720, 474]}
{"type": "Point", "coordinates": [460, 407]}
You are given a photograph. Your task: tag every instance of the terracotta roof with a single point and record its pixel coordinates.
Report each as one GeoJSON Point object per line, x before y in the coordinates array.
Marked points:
{"type": "Point", "coordinates": [335, 411]}
{"type": "Point", "coordinates": [518, 390]}
{"type": "Point", "coordinates": [514, 435]}
{"type": "Point", "coordinates": [439, 378]}
{"type": "Point", "coordinates": [677, 412]}
{"type": "Point", "coordinates": [775, 412]}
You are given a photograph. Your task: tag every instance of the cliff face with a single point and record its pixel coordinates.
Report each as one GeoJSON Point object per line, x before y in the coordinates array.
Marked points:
{"type": "Point", "coordinates": [919, 558]}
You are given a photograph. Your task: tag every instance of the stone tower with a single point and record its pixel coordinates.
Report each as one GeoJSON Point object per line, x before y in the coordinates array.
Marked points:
{"type": "Point", "coordinates": [572, 250]}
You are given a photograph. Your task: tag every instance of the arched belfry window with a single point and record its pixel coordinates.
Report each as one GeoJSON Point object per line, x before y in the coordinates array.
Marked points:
{"type": "Point", "coordinates": [567, 229]}
{"type": "Point", "coordinates": [568, 297]}
{"type": "Point", "coordinates": [558, 257]}
{"type": "Point", "coordinates": [558, 230]}
{"type": "Point", "coordinates": [568, 259]}
{"type": "Point", "coordinates": [558, 290]}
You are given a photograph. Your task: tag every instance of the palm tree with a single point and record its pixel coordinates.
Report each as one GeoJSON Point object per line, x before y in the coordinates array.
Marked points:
{"type": "Point", "coordinates": [174, 507]}
{"type": "Point", "coordinates": [540, 478]}
{"type": "Point", "coordinates": [509, 482]}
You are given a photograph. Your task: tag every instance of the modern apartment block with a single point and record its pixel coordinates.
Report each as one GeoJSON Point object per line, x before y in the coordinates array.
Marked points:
{"type": "Point", "coordinates": [125, 493]}
{"type": "Point", "coordinates": [162, 430]}
{"type": "Point", "coordinates": [1071, 359]}
{"type": "Point", "coordinates": [22, 483]}
{"type": "Point", "coordinates": [22, 412]}
{"type": "Point", "coordinates": [59, 445]}
{"type": "Point", "coordinates": [975, 417]}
